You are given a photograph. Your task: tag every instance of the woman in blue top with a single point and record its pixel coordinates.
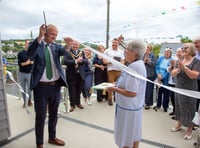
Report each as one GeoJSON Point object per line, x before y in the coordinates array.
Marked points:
{"type": "Point", "coordinates": [163, 77]}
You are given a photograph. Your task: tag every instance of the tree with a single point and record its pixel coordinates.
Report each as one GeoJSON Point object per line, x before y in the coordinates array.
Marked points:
{"type": "Point", "coordinates": [185, 40]}
{"type": "Point", "coordinates": [156, 49]}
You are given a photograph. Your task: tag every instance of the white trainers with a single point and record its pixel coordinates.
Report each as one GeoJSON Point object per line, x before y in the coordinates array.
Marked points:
{"type": "Point", "coordinates": [89, 102]}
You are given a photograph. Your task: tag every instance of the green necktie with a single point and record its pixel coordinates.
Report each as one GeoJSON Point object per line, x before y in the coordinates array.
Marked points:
{"type": "Point", "coordinates": [48, 63]}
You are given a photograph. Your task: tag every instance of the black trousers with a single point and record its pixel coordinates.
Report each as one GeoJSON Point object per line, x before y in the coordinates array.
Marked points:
{"type": "Point", "coordinates": [46, 96]}
{"type": "Point", "coordinates": [163, 97]}
{"type": "Point", "coordinates": [75, 87]}
{"type": "Point", "coordinates": [100, 76]}
{"type": "Point", "coordinates": [172, 97]}
{"type": "Point", "coordinates": [149, 92]}
{"type": "Point", "coordinates": [198, 101]}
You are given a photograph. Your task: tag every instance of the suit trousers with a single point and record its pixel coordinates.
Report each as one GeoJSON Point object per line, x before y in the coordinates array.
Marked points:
{"type": "Point", "coordinates": [46, 96]}
{"type": "Point", "coordinates": [75, 87]}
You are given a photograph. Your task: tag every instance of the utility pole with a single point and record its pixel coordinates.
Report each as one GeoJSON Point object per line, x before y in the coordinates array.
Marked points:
{"type": "Point", "coordinates": [31, 36]}
{"type": "Point", "coordinates": [107, 25]}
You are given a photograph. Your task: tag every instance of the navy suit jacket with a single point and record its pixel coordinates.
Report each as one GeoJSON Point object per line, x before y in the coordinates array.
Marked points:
{"type": "Point", "coordinates": [36, 51]}
{"type": "Point", "coordinates": [71, 70]}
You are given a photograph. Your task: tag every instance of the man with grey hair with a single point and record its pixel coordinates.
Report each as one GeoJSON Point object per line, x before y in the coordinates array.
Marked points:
{"type": "Point", "coordinates": [46, 81]}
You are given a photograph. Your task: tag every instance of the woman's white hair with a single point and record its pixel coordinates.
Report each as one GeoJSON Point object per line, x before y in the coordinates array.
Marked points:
{"type": "Point", "coordinates": [138, 45]}
{"type": "Point", "coordinates": [179, 49]}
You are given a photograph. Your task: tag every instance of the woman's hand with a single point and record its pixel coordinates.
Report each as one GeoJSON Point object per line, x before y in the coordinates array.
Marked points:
{"type": "Point", "coordinates": [110, 89]}
{"type": "Point", "coordinates": [181, 65]}
{"type": "Point", "coordinates": [159, 77]}
{"type": "Point", "coordinates": [175, 71]}
{"type": "Point", "coordinates": [172, 63]}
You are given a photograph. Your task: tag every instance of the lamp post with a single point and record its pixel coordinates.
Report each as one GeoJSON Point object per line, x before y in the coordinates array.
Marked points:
{"type": "Point", "coordinates": [107, 24]}
{"type": "Point", "coordinates": [31, 36]}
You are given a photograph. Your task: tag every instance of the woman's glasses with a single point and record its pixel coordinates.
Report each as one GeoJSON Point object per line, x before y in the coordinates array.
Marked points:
{"type": "Point", "coordinates": [184, 49]}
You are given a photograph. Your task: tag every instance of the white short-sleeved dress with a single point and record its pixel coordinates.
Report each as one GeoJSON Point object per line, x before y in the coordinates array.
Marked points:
{"type": "Point", "coordinates": [128, 115]}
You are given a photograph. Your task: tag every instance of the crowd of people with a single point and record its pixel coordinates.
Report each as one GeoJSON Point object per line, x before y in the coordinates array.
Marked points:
{"type": "Point", "coordinates": [182, 72]}
{"type": "Point", "coordinates": [40, 70]}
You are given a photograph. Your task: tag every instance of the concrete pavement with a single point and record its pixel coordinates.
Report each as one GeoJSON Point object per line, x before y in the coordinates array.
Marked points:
{"type": "Point", "coordinates": [91, 127]}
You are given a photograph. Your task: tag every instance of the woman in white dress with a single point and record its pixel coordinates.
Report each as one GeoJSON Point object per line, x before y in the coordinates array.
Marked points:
{"type": "Point", "coordinates": [130, 96]}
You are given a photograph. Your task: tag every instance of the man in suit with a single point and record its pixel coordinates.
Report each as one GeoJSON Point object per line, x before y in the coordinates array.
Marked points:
{"type": "Point", "coordinates": [46, 85]}
{"type": "Point", "coordinates": [75, 59]}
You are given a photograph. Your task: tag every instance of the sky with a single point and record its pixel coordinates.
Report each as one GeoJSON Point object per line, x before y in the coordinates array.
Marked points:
{"type": "Point", "coordinates": [85, 20]}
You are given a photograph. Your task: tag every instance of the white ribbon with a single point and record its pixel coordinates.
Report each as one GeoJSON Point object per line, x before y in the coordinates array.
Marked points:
{"type": "Point", "coordinates": [189, 93]}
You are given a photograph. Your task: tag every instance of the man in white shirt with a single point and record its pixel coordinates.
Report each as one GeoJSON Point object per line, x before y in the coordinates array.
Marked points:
{"type": "Point", "coordinates": [113, 71]}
